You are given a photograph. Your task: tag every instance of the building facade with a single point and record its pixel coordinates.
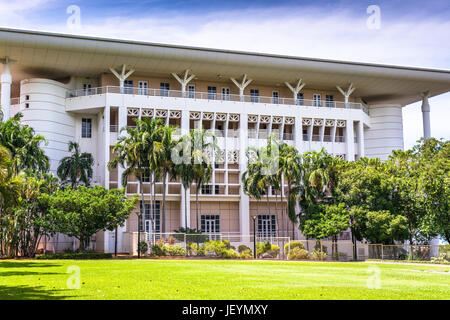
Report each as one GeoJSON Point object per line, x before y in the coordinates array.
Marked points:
{"type": "Point", "coordinates": [83, 89]}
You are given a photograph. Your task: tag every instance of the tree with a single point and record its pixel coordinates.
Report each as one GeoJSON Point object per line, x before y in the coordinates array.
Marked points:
{"type": "Point", "coordinates": [82, 212]}
{"type": "Point", "coordinates": [204, 145]}
{"type": "Point", "coordinates": [163, 150]}
{"type": "Point", "coordinates": [23, 145]}
{"type": "Point", "coordinates": [76, 169]}
{"type": "Point", "coordinates": [325, 221]}
{"type": "Point", "coordinates": [184, 169]}
{"type": "Point", "coordinates": [132, 152]}
{"type": "Point", "coordinates": [434, 185]}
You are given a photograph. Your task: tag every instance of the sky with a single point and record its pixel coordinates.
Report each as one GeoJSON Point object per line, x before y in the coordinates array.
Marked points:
{"type": "Point", "coordinates": [410, 33]}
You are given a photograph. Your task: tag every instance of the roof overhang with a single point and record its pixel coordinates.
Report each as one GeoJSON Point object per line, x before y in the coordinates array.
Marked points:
{"type": "Point", "coordinates": [57, 56]}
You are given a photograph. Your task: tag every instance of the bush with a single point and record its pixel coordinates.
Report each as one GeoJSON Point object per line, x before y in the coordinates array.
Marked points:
{"type": "Point", "coordinates": [195, 249]}
{"type": "Point", "coordinates": [318, 255]}
{"type": "Point", "coordinates": [143, 246]}
{"type": "Point", "coordinates": [215, 247]}
{"type": "Point", "coordinates": [76, 256]}
{"type": "Point", "coordinates": [298, 254]}
{"type": "Point", "coordinates": [229, 254]}
{"type": "Point", "coordinates": [441, 259]}
{"type": "Point", "coordinates": [243, 248]}
{"type": "Point", "coordinates": [292, 245]}
{"type": "Point", "coordinates": [246, 254]}
{"type": "Point", "coordinates": [274, 251]}
{"type": "Point", "coordinates": [158, 249]}
{"type": "Point", "coordinates": [175, 250]}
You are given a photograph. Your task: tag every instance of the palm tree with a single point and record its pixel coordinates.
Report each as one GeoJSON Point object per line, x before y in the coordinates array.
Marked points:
{"type": "Point", "coordinates": [203, 143]}
{"type": "Point", "coordinates": [76, 169]}
{"type": "Point", "coordinates": [23, 145]}
{"type": "Point", "coordinates": [132, 151]}
{"type": "Point", "coordinates": [163, 149]}
{"type": "Point", "coordinates": [184, 170]}
{"type": "Point", "coordinates": [291, 168]}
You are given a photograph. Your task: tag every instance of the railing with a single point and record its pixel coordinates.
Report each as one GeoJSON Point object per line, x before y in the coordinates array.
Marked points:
{"type": "Point", "coordinates": [340, 139]}
{"type": "Point", "coordinates": [327, 138]}
{"type": "Point", "coordinates": [215, 96]}
{"type": "Point", "coordinates": [288, 136]}
{"type": "Point", "coordinates": [232, 133]}
{"type": "Point", "coordinates": [305, 137]}
{"type": "Point", "coordinates": [315, 137]}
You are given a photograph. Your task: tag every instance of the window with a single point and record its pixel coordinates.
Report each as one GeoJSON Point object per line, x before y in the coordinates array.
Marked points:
{"type": "Point", "coordinates": [87, 88]}
{"type": "Point", "coordinates": [27, 105]}
{"type": "Point", "coordinates": [299, 99]}
{"type": "Point", "coordinates": [275, 97]}
{"type": "Point", "coordinates": [191, 91]}
{"type": "Point", "coordinates": [317, 100]}
{"type": "Point", "coordinates": [226, 94]}
{"type": "Point", "coordinates": [254, 95]}
{"type": "Point", "coordinates": [164, 88]}
{"type": "Point", "coordinates": [212, 93]}
{"type": "Point", "coordinates": [210, 223]}
{"type": "Point", "coordinates": [216, 189]}
{"type": "Point", "coordinates": [86, 128]}
{"type": "Point", "coordinates": [27, 97]}
{"type": "Point", "coordinates": [145, 217]}
{"type": "Point", "coordinates": [128, 86]}
{"type": "Point", "coordinates": [143, 87]}
{"type": "Point", "coordinates": [206, 189]}
{"type": "Point", "coordinates": [266, 225]}
{"type": "Point", "coordinates": [329, 101]}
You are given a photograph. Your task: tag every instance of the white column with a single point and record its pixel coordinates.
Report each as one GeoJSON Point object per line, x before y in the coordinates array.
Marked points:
{"type": "Point", "coordinates": [186, 79]}
{"type": "Point", "coordinates": [106, 123]}
{"type": "Point", "coordinates": [122, 76]}
{"type": "Point", "coordinates": [242, 85]}
{"type": "Point", "coordinates": [361, 139]}
{"type": "Point", "coordinates": [244, 203]}
{"type": "Point", "coordinates": [346, 93]}
{"type": "Point", "coordinates": [185, 200]}
{"type": "Point", "coordinates": [426, 115]}
{"type": "Point", "coordinates": [350, 141]}
{"type": "Point", "coordinates": [6, 81]}
{"type": "Point", "coordinates": [121, 123]}
{"type": "Point", "coordinates": [298, 133]}
{"type": "Point", "coordinates": [295, 90]}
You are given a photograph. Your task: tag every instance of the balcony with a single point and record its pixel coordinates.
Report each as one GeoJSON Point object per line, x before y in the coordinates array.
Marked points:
{"type": "Point", "coordinates": [215, 96]}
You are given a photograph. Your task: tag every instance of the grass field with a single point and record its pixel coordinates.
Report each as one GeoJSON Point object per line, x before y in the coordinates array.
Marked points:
{"type": "Point", "coordinates": [218, 279]}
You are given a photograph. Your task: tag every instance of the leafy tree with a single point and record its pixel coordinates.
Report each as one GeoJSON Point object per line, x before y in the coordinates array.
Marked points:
{"type": "Point", "coordinates": [82, 212]}
{"type": "Point", "coordinates": [163, 150]}
{"type": "Point", "coordinates": [132, 152]}
{"type": "Point", "coordinates": [76, 169]}
{"type": "Point", "coordinates": [23, 145]}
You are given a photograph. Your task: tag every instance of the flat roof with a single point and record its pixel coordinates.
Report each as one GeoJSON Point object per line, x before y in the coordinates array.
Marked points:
{"type": "Point", "coordinates": [54, 55]}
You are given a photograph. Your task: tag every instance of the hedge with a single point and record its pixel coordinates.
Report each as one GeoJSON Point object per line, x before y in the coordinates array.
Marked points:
{"type": "Point", "coordinates": [76, 256]}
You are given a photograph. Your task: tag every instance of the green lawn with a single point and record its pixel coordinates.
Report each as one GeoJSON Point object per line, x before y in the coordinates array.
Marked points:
{"type": "Point", "coordinates": [218, 279]}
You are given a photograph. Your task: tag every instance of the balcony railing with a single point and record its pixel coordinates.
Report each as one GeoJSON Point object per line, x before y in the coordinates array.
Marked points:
{"type": "Point", "coordinates": [215, 96]}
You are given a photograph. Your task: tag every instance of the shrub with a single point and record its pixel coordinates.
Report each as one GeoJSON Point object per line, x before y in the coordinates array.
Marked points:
{"type": "Point", "coordinates": [175, 250]}
{"type": "Point", "coordinates": [143, 247]}
{"type": "Point", "coordinates": [227, 244]}
{"type": "Point", "coordinates": [76, 255]}
{"type": "Point", "coordinates": [215, 247]}
{"type": "Point", "coordinates": [318, 255]}
{"type": "Point", "coordinates": [195, 249]}
{"type": "Point", "coordinates": [292, 245]}
{"type": "Point", "coordinates": [158, 249]}
{"type": "Point", "coordinates": [229, 254]}
{"type": "Point", "coordinates": [441, 259]}
{"type": "Point", "coordinates": [246, 254]}
{"type": "Point", "coordinates": [274, 251]}
{"type": "Point", "coordinates": [243, 248]}
{"type": "Point", "coordinates": [298, 254]}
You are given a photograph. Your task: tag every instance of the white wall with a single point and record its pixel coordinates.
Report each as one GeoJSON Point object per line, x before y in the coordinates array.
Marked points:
{"type": "Point", "coordinates": [386, 131]}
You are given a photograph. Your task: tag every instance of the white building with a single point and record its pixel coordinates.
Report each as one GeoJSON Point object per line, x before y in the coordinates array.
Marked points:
{"type": "Point", "coordinates": [72, 88]}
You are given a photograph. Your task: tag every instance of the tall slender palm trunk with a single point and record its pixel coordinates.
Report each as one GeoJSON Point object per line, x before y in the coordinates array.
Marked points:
{"type": "Point", "coordinates": [164, 204]}
{"type": "Point", "coordinates": [141, 209]}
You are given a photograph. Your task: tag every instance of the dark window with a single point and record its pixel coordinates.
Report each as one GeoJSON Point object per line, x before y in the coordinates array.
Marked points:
{"type": "Point", "coordinates": [210, 223]}
{"type": "Point", "coordinates": [299, 99]}
{"type": "Point", "coordinates": [216, 189]}
{"type": "Point", "coordinates": [329, 101]}
{"type": "Point", "coordinates": [128, 86]}
{"type": "Point", "coordinates": [146, 217]}
{"type": "Point", "coordinates": [191, 91]}
{"type": "Point", "coordinates": [207, 189]}
{"type": "Point", "coordinates": [27, 97]}
{"type": "Point", "coordinates": [86, 128]}
{"type": "Point", "coordinates": [254, 95]}
{"type": "Point", "coordinates": [266, 225]}
{"type": "Point", "coordinates": [27, 105]}
{"type": "Point", "coordinates": [212, 92]}
{"type": "Point", "coordinates": [275, 97]}
{"type": "Point", "coordinates": [164, 88]}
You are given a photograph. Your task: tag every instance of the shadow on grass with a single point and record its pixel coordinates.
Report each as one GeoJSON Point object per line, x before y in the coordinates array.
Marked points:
{"type": "Point", "coordinates": [30, 293]}
{"type": "Point", "coordinates": [26, 264]}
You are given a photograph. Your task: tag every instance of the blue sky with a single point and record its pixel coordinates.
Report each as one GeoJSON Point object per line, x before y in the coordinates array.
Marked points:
{"type": "Point", "coordinates": [413, 33]}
